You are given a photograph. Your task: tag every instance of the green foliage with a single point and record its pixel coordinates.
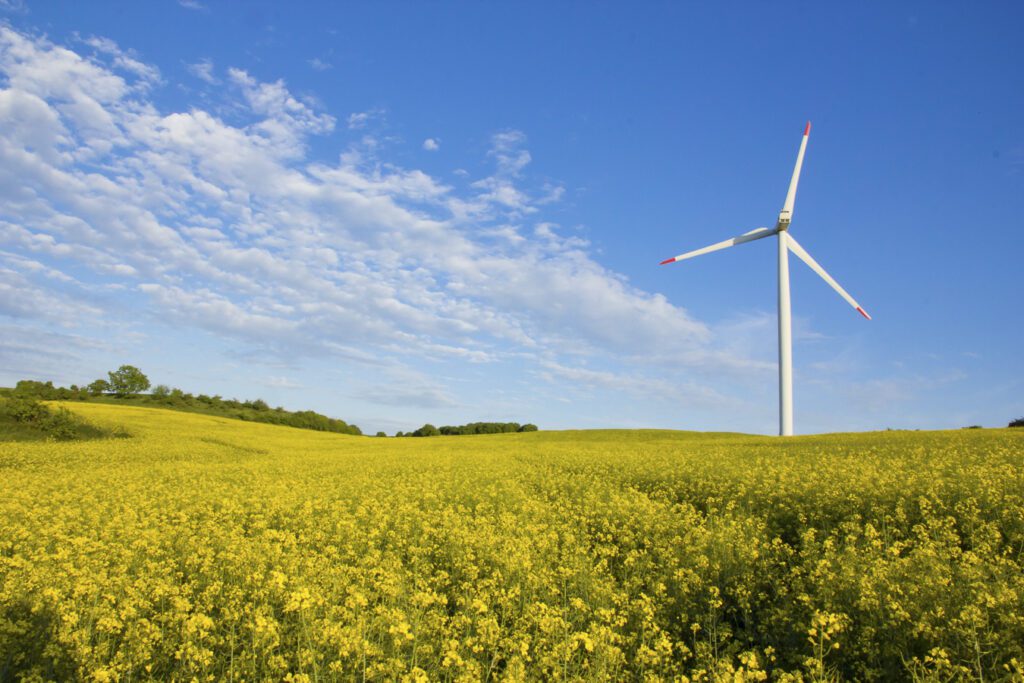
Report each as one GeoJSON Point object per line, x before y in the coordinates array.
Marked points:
{"type": "Point", "coordinates": [1019, 422]}
{"type": "Point", "coordinates": [42, 390]}
{"type": "Point", "coordinates": [25, 418]}
{"type": "Point", "coordinates": [128, 380]}
{"type": "Point", "coordinates": [426, 430]}
{"type": "Point", "coordinates": [381, 434]}
{"type": "Point", "coordinates": [99, 387]}
{"type": "Point", "coordinates": [483, 428]}
{"type": "Point", "coordinates": [131, 384]}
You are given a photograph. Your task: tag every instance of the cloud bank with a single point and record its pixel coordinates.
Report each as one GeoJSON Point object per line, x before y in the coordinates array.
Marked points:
{"type": "Point", "coordinates": [228, 225]}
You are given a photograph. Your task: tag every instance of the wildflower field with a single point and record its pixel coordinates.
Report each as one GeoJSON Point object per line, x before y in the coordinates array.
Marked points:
{"type": "Point", "coordinates": [210, 549]}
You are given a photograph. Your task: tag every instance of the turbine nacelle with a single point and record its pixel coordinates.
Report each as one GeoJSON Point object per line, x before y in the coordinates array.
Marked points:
{"type": "Point", "coordinates": [783, 222]}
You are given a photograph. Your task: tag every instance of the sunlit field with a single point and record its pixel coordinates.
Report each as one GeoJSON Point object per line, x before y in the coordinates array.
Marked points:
{"type": "Point", "coordinates": [222, 550]}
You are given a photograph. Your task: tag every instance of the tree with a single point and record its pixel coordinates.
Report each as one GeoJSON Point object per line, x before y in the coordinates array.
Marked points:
{"type": "Point", "coordinates": [160, 391]}
{"type": "Point", "coordinates": [127, 380]}
{"type": "Point", "coordinates": [427, 430]}
{"type": "Point", "coordinates": [1019, 422]}
{"type": "Point", "coordinates": [381, 434]}
{"type": "Point", "coordinates": [100, 386]}
{"type": "Point", "coordinates": [528, 427]}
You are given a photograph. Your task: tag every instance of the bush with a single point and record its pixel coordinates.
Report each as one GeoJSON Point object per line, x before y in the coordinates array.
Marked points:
{"type": "Point", "coordinates": [56, 423]}
{"type": "Point", "coordinates": [61, 425]}
{"type": "Point", "coordinates": [427, 430]}
{"type": "Point", "coordinates": [28, 387]}
{"type": "Point", "coordinates": [24, 410]}
{"type": "Point", "coordinates": [1019, 422]}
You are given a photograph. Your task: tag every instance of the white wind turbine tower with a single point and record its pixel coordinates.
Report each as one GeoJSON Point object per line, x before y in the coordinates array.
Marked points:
{"type": "Point", "coordinates": [786, 244]}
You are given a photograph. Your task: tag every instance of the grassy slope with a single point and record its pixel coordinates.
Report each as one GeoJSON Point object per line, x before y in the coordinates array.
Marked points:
{"type": "Point", "coordinates": [206, 546]}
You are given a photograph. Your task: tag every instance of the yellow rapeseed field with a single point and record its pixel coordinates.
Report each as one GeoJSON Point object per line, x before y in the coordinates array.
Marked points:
{"type": "Point", "coordinates": [209, 549]}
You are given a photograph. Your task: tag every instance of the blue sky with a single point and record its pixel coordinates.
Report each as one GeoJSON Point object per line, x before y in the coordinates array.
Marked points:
{"type": "Point", "coordinates": [398, 213]}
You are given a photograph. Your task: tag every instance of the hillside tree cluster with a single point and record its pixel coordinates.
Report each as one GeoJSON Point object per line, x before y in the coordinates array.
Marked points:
{"type": "Point", "coordinates": [126, 384]}
{"type": "Point", "coordinates": [471, 428]}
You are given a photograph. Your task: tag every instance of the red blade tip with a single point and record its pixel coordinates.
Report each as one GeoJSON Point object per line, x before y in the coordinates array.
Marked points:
{"type": "Point", "coordinates": [861, 311]}
{"type": "Point", "coordinates": [807, 128]}
{"type": "Point", "coordinates": [668, 260]}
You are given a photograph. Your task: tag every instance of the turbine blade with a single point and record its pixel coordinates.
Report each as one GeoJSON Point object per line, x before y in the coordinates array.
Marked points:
{"type": "Point", "coordinates": [795, 247]}
{"type": "Point", "coordinates": [756, 234]}
{"type": "Point", "coordinates": [787, 209]}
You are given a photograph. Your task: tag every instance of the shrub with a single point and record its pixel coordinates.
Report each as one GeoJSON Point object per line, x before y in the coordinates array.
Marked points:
{"type": "Point", "coordinates": [427, 430]}
{"type": "Point", "coordinates": [28, 387]}
{"type": "Point", "coordinates": [59, 423]}
{"type": "Point", "coordinates": [24, 410]}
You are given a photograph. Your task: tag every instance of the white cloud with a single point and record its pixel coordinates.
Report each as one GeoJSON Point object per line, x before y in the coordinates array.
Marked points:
{"type": "Point", "coordinates": [320, 65]}
{"type": "Point", "coordinates": [680, 393]}
{"type": "Point", "coordinates": [421, 396]}
{"type": "Point", "coordinates": [431, 145]}
{"type": "Point", "coordinates": [282, 383]}
{"type": "Point", "coordinates": [13, 6]}
{"type": "Point", "coordinates": [31, 353]}
{"type": "Point", "coordinates": [193, 5]}
{"type": "Point", "coordinates": [552, 194]}
{"type": "Point", "coordinates": [500, 189]}
{"type": "Point", "coordinates": [507, 148]}
{"type": "Point", "coordinates": [125, 60]}
{"type": "Point", "coordinates": [359, 120]}
{"type": "Point", "coordinates": [203, 70]}
{"type": "Point", "coordinates": [282, 109]}
{"type": "Point", "coordinates": [229, 227]}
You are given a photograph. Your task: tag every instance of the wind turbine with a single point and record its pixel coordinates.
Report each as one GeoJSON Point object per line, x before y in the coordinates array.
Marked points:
{"type": "Point", "coordinates": [786, 245]}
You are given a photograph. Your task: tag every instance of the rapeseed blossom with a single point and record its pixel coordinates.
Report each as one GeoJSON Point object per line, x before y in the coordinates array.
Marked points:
{"type": "Point", "coordinates": [207, 549]}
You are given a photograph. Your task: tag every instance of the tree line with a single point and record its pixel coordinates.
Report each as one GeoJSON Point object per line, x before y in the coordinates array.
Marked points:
{"type": "Point", "coordinates": [471, 428]}
{"type": "Point", "coordinates": [127, 384]}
